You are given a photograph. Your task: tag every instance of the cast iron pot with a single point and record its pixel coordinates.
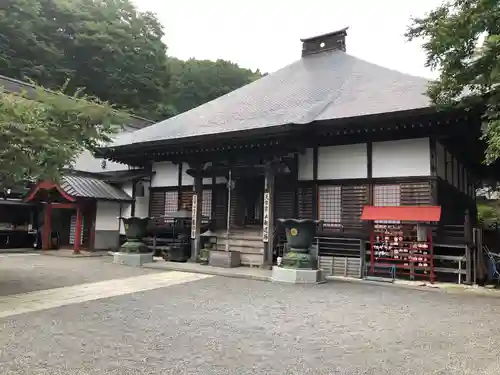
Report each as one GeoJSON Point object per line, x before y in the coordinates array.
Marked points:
{"type": "Point", "coordinates": [136, 228]}
{"type": "Point", "coordinates": [299, 233]}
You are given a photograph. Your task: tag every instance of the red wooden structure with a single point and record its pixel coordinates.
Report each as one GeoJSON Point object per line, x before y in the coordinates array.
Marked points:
{"type": "Point", "coordinates": [400, 241]}
{"type": "Point", "coordinates": [54, 197]}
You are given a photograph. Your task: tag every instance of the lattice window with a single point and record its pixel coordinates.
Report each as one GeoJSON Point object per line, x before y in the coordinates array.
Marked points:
{"type": "Point", "coordinates": [387, 195]}
{"type": "Point", "coordinates": [330, 205]}
{"type": "Point", "coordinates": [206, 204]}
{"type": "Point", "coordinates": [171, 201]}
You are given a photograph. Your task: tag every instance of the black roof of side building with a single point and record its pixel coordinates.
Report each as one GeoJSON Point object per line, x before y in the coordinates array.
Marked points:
{"type": "Point", "coordinates": [325, 84]}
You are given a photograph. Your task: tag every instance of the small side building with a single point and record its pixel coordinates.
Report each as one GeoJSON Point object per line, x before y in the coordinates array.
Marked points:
{"type": "Point", "coordinates": [90, 197]}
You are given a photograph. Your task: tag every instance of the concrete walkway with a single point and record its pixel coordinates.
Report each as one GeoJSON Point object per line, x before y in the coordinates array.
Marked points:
{"type": "Point", "coordinates": [57, 297]}
{"type": "Point", "coordinates": [238, 272]}
{"type": "Point", "coordinates": [265, 275]}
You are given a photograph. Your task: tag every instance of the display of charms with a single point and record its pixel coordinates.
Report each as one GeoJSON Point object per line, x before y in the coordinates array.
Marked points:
{"type": "Point", "coordinates": [393, 245]}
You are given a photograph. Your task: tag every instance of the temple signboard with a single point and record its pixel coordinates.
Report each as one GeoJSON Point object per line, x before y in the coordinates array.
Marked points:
{"type": "Point", "coordinates": [265, 226]}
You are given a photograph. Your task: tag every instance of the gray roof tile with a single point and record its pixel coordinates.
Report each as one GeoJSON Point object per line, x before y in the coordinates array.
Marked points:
{"type": "Point", "coordinates": [90, 187]}
{"type": "Point", "coordinates": [323, 86]}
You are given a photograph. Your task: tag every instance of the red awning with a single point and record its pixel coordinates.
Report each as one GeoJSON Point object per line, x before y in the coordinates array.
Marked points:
{"type": "Point", "coordinates": [402, 213]}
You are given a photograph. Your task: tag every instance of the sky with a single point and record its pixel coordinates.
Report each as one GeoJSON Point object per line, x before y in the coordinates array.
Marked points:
{"type": "Point", "coordinates": [265, 34]}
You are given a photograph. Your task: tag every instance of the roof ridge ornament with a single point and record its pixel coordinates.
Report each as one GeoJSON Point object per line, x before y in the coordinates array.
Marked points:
{"type": "Point", "coordinates": [334, 40]}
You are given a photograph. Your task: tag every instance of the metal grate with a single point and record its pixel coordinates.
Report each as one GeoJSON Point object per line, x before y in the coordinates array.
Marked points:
{"type": "Point", "coordinates": [330, 205]}
{"type": "Point", "coordinates": [206, 204]}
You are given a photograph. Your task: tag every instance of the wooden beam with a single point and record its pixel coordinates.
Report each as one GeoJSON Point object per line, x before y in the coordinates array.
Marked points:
{"type": "Point", "coordinates": [78, 229]}
{"type": "Point", "coordinates": [47, 227]}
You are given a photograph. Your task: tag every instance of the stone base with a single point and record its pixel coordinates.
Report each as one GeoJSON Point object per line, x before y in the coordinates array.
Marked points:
{"type": "Point", "coordinates": [225, 259]}
{"type": "Point", "coordinates": [297, 276]}
{"type": "Point", "coordinates": [134, 246]}
{"type": "Point", "coordinates": [132, 259]}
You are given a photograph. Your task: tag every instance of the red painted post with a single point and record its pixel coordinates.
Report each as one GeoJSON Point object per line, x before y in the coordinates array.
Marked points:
{"type": "Point", "coordinates": [78, 230]}
{"type": "Point", "coordinates": [47, 224]}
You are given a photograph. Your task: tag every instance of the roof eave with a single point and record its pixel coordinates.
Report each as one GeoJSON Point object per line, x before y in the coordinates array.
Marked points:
{"type": "Point", "coordinates": [264, 131]}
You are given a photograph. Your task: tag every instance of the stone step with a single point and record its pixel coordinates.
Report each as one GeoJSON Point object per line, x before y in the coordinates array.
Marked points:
{"type": "Point", "coordinates": [242, 249]}
{"type": "Point", "coordinates": [252, 259]}
{"type": "Point", "coordinates": [249, 236]}
{"type": "Point", "coordinates": [245, 242]}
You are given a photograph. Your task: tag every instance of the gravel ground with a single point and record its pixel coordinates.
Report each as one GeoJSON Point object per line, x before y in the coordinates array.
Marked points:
{"type": "Point", "coordinates": [233, 326]}
{"type": "Point", "coordinates": [21, 273]}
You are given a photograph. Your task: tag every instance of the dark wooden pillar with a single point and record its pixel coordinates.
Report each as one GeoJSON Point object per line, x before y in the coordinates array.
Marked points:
{"type": "Point", "coordinates": [134, 196]}
{"type": "Point", "coordinates": [315, 208]}
{"type": "Point", "coordinates": [213, 202]}
{"type": "Point", "coordinates": [179, 187]}
{"type": "Point", "coordinates": [47, 227]}
{"type": "Point", "coordinates": [78, 229]}
{"type": "Point", "coordinates": [369, 172]}
{"type": "Point", "coordinates": [268, 225]}
{"type": "Point", "coordinates": [196, 212]}
{"type": "Point", "coordinates": [296, 183]}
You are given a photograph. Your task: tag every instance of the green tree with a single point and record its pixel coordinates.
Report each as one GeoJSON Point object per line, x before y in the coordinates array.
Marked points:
{"type": "Point", "coordinates": [107, 47]}
{"type": "Point", "coordinates": [194, 82]}
{"type": "Point", "coordinates": [43, 134]}
{"type": "Point", "coordinates": [462, 41]}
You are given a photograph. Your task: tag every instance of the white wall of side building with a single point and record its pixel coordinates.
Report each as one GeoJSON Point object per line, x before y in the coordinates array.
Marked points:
{"type": "Point", "coordinates": [107, 215]}
{"type": "Point", "coordinates": [107, 225]}
{"type": "Point", "coordinates": [402, 158]}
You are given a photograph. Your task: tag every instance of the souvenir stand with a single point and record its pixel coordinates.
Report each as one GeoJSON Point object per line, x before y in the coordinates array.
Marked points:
{"type": "Point", "coordinates": [401, 241]}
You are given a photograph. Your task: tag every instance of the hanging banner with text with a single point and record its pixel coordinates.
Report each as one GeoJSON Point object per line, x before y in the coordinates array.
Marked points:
{"type": "Point", "coordinates": [265, 226]}
{"type": "Point", "coordinates": [193, 216]}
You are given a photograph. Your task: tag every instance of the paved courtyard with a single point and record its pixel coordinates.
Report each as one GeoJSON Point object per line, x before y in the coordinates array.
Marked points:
{"type": "Point", "coordinates": [186, 324]}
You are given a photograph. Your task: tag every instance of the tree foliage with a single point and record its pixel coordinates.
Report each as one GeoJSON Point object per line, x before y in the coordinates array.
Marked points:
{"type": "Point", "coordinates": [194, 82]}
{"type": "Point", "coordinates": [106, 47]}
{"type": "Point", "coordinates": [43, 134]}
{"type": "Point", "coordinates": [103, 49]}
{"type": "Point", "coordinates": [462, 40]}
{"type": "Point", "coordinates": [112, 51]}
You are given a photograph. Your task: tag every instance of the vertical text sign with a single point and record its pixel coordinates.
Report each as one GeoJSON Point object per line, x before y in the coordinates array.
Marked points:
{"type": "Point", "coordinates": [193, 216]}
{"type": "Point", "coordinates": [265, 227]}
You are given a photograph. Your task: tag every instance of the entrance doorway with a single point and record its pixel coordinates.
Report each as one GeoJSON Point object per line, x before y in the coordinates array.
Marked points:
{"type": "Point", "coordinates": [249, 201]}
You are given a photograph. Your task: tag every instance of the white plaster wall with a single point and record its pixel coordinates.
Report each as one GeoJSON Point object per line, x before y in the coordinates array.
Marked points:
{"type": "Point", "coordinates": [441, 162]}
{"type": "Point", "coordinates": [306, 165]}
{"type": "Point", "coordinates": [166, 174]}
{"type": "Point", "coordinates": [407, 157]}
{"type": "Point", "coordinates": [346, 161]}
{"type": "Point", "coordinates": [107, 215]}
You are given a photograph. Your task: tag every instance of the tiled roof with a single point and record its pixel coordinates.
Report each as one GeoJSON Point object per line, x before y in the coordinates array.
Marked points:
{"type": "Point", "coordinates": [323, 86]}
{"type": "Point", "coordinates": [90, 187]}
